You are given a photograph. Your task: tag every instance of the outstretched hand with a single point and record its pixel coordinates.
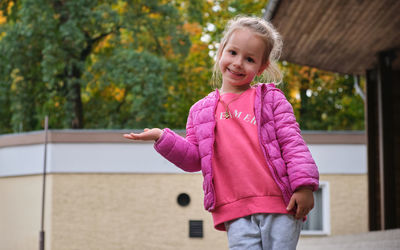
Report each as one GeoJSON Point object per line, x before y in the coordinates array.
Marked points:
{"type": "Point", "coordinates": [303, 200]}
{"type": "Point", "coordinates": [147, 135]}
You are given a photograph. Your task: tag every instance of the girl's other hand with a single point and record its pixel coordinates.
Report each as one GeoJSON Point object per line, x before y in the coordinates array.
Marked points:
{"type": "Point", "coordinates": [303, 200]}
{"type": "Point", "coordinates": [147, 135]}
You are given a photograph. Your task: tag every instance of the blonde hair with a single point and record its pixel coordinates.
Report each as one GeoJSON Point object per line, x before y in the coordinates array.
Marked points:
{"type": "Point", "coordinates": [273, 47]}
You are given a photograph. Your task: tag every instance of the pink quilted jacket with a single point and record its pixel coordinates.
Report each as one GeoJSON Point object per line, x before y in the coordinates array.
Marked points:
{"type": "Point", "coordinates": [285, 151]}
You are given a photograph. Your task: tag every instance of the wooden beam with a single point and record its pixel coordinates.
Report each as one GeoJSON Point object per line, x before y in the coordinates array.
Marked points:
{"type": "Point", "coordinates": [372, 128]}
{"type": "Point", "coordinates": [386, 140]}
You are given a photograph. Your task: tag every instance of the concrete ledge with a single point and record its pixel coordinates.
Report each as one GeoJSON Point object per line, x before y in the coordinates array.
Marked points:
{"type": "Point", "coordinates": [115, 136]}
{"type": "Point", "coordinates": [388, 239]}
{"type": "Point", "coordinates": [107, 151]}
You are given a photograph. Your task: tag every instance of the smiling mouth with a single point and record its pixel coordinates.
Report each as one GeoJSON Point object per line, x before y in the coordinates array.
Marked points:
{"type": "Point", "coordinates": [235, 73]}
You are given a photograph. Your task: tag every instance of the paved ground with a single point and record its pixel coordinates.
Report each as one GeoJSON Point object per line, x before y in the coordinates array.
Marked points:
{"type": "Point", "coordinates": [389, 239]}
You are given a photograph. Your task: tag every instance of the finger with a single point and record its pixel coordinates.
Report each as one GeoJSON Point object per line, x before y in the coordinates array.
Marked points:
{"type": "Point", "coordinates": [137, 136]}
{"type": "Point", "coordinates": [292, 202]}
{"type": "Point", "coordinates": [299, 212]}
{"type": "Point", "coordinates": [145, 136]}
{"type": "Point", "coordinates": [134, 136]}
{"type": "Point", "coordinates": [302, 213]}
{"type": "Point", "coordinates": [128, 136]}
{"type": "Point", "coordinates": [146, 129]}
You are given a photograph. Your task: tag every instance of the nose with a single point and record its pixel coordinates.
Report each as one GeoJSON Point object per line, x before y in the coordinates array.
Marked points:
{"type": "Point", "coordinates": [238, 61]}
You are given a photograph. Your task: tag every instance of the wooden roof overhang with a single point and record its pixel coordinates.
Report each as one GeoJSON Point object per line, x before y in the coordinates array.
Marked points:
{"type": "Point", "coordinates": [342, 36]}
{"type": "Point", "coordinates": [356, 37]}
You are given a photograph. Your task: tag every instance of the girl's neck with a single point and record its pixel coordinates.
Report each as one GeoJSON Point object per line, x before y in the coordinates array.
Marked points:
{"type": "Point", "coordinates": [225, 88]}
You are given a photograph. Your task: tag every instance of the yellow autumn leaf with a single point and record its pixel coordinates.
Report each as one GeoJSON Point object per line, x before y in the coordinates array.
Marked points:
{"type": "Point", "coordinates": [120, 7]}
{"type": "Point", "coordinates": [9, 7]}
{"type": "Point", "coordinates": [154, 15]}
{"type": "Point", "coordinates": [3, 19]}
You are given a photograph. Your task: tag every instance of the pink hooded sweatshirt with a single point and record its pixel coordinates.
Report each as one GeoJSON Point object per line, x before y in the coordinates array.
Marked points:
{"type": "Point", "coordinates": [284, 149]}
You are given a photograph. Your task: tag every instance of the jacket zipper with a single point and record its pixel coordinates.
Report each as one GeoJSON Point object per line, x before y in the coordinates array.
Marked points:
{"type": "Point", "coordinates": [268, 160]}
{"type": "Point", "coordinates": [212, 153]}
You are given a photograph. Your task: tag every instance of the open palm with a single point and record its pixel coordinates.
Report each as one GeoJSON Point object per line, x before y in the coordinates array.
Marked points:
{"type": "Point", "coordinates": [147, 135]}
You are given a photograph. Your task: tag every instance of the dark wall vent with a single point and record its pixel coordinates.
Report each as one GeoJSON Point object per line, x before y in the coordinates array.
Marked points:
{"type": "Point", "coordinates": [195, 229]}
{"type": "Point", "coordinates": [183, 199]}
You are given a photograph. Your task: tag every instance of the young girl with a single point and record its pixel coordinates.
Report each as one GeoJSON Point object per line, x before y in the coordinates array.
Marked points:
{"type": "Point", "coordinates": [258, 172]}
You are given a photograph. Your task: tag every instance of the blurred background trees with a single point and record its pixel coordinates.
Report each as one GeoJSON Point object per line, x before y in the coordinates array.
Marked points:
{"type": "Point", "coordinates": [132, 64]}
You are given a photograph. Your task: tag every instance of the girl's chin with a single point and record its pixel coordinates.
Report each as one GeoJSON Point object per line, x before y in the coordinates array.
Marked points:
{"type": "Point", "coordinates": [242, 85]}
{"type": "Point", "coordinates": [237, 82]}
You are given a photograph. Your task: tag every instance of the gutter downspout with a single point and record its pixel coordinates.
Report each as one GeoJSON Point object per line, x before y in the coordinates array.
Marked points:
{"type": "Point", "coordinates": [270, 9]}
{"type": "Point", "coordinates": [357, 87]}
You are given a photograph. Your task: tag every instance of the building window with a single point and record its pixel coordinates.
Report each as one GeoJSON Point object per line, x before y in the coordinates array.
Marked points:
{"type": "Point", "coordinates": [318, 222]}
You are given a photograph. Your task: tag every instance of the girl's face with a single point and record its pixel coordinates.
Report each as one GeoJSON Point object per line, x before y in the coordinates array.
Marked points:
{"type": "Point", "coordinates": [241, 60]}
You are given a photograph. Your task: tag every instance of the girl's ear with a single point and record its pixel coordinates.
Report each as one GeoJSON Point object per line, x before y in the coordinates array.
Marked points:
{"type": "Point", "coordinates": [262, 68]}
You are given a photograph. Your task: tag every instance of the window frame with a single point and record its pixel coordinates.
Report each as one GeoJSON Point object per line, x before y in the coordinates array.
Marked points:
{"type": "Point", "coordinates": [326, 223]}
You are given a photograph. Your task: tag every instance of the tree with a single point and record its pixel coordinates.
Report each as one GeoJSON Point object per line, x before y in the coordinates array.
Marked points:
{"type": "Point", "coordinates": [323, 100]}
{"type": "Point", "coordinates": [53, 51]}
{"type": "Point", "coordinates": [134, 64]}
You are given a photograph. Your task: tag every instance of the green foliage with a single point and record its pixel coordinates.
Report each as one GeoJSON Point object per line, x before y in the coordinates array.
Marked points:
{"type": "Point", "coordinates": [135, 63]}
{"type": "Point", "coordinates": [53, 53]}
{"type": "Point", "coordinates": [135, 93]}
{"type": "Point", "coordinates": [323, 100]}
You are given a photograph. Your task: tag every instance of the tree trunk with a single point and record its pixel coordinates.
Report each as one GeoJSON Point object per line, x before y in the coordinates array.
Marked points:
{"type": "Point", "coordinates": [77, 121]}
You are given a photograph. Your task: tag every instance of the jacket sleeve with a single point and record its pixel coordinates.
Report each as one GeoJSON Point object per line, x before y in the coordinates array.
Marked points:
{"type": "Point", "coordinates": [183, 152]}
{"type": "Point", "coordinates": [301, 168]}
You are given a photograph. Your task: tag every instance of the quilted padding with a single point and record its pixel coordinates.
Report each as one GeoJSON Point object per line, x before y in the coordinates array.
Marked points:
{"type": "Point", "coordinates": [285, 151]}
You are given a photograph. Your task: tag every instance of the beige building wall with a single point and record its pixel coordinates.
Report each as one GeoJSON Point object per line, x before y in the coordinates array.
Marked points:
{"type": "Point", "coordinates": [140, 211]}
{"type": "Point", "coordinates": [129, 211]}
{"type": "Point", "coordinates": [132, 210]}
{"type": "Point", "coordinates": [137, 211]}
{"type": "Point", "coordinates": [21, 211]}
{"type": "Point", "coordinates": [348, 203]}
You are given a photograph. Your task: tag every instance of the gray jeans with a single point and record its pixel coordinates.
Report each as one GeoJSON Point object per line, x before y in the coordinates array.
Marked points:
{"type": "Point", "coordinates": [264, 231]}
